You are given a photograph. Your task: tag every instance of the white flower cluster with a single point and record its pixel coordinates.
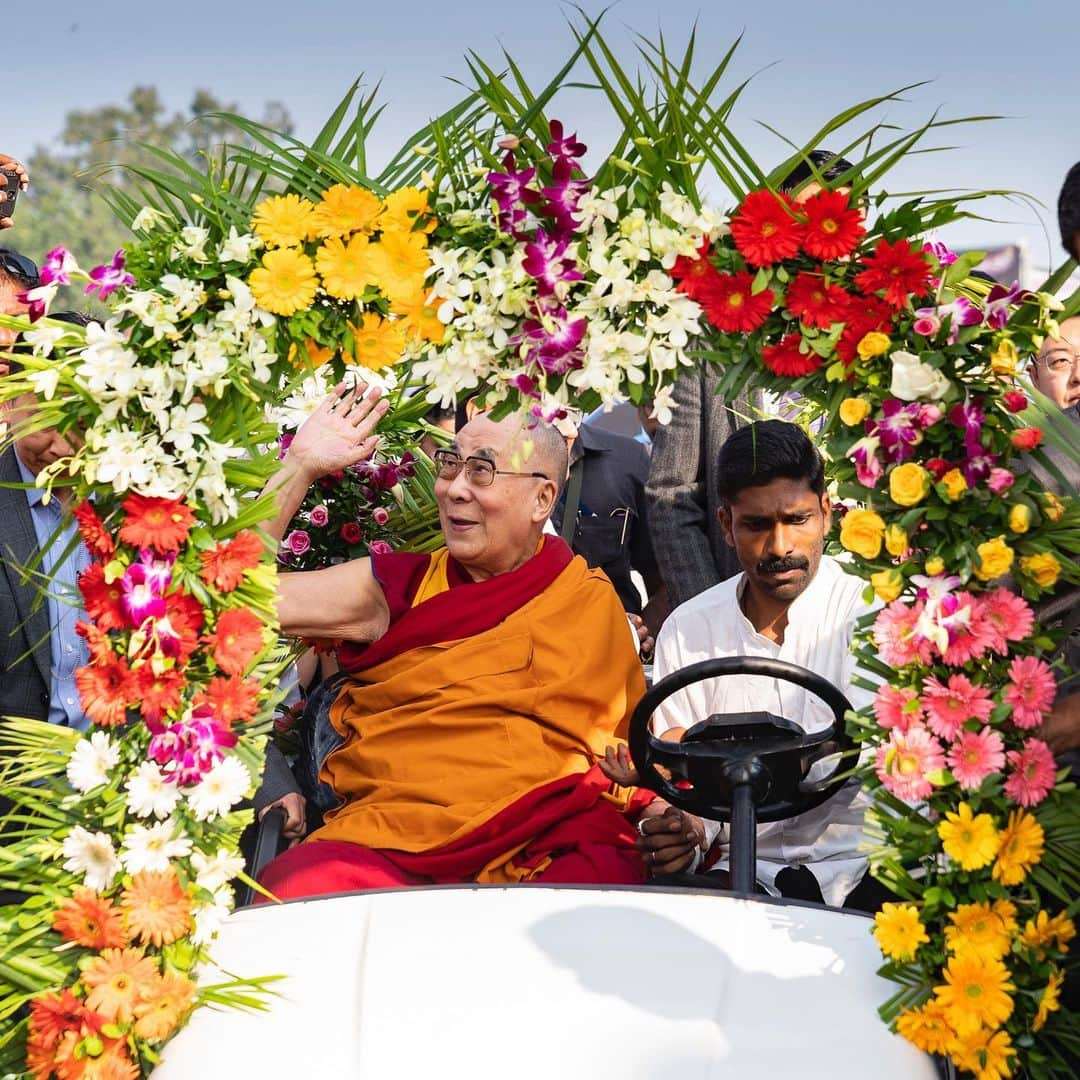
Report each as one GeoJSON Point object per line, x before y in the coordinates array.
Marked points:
{"type": "Point", "coordinates": [638, 326]}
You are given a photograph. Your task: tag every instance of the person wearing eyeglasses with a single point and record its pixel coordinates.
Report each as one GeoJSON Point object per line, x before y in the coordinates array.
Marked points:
{"type": "Point", "coordinates": [17, 275]}
{"type": "Point", "coordinates": [1055, 372]}
{"type": "Point", "coordinates": [482, 682]}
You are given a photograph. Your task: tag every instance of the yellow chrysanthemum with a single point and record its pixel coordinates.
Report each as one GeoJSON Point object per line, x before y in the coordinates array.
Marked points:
{"type": "Point", "coordinates": [379, 342]}
{"type": "Point", "coordinates": [285, 282]}
{"type": "Point", "coordinates": [977, 926]}
{"type": "Point", "coordinates": [345, 209]}
{"type": "Point", "coordinates": [985, 1052]}
{"type": "Point", "coordinates": [976, 993]}
{"type": "Point", "coordinates": [402, 209]}
{"type": "Point", "coordinates": [283, 220]}
{"type": "Point", "coordinates": [1049, 1002]}
{"type": "Point", "coordinates": [419, 319]}
{"type": "Point", "coordinates": [1021, 848]}
{"type": "Point", "coordinates": [926, 1028]}
{"type": "Point", "coordinates": [899, 931]}
{"type": "Point", "coordinates": [969, 840]}
{"type": "Point", "coordinates": [346, 267]}
{"type": "Point", "coordinates": [400, 261]}
{"type": "Point", "coordinates": [1043, 931]}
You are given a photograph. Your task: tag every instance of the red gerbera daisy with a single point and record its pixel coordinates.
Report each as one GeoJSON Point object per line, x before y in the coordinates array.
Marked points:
{"type": "Point", "coordinates": [158, 693]}
{"type": "Point", "coordinates": [233, 700]}
{"type": "Point", "coordinates": [695, 275]}
{"type": "Point", "coordinates": [764, 229]}
{"type": "Point", "coordinates": [224, 564]}
{"type": "Point", "coordinates": [813, 300]}
{"type": "Point", "coordinates": [236, 641]}
{"type": "Point", "coordinates": [732, 307]}
{"type": "Point", "coordinates": [785, 358]}
{"type": "Point", "coordinates": [52, 1015]}
{"type": "Point", "coordinates": [97, 538]}
{"type": "Point", "coordinates": [97, 641]}
{"type": "Point", "coordinates": [896, 270]}
{"type": "Point", "coordinates": [105, 690]}
{"type": "Point", "coordinates": [833, 226]}
{"type": "Point", "coordinates": [186, 617]}
{"type": "Point", "coordinates": [162, 524]}
{"type": "Point", "coordinates": [102, 599]}
{"type": "Point", "coordinates": [861, 315]}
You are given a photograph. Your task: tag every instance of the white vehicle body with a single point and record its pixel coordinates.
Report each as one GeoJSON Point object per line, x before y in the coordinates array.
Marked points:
{"type": "Point", "coordinates": [556, 982]}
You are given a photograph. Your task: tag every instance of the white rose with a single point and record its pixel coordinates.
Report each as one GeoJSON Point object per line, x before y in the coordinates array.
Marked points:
{"type": "Point", "coordinates": [913, 380]}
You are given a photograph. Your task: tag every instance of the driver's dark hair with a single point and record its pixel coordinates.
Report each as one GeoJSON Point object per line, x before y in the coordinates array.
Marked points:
{"type": "Point", "coordinates": [828, 166]}
{"type": "Point", "coordinates": [1069, 210]}
{"type": "Point", "coordinates": [764, 451]}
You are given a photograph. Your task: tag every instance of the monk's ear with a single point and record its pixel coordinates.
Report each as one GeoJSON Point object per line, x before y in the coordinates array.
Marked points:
{"type": "Point", "coordinates": [546, 494]}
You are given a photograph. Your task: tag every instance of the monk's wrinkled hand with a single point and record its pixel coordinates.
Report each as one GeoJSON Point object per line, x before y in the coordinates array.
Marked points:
{"type": "Point", "coordinates": [295, 806]}
{"type": "Point", "coordinates": [618, 767]}
{"type": "Point", "coordinates": [339, 433]}
{"type": "Point", "coordinates": [668, 838]}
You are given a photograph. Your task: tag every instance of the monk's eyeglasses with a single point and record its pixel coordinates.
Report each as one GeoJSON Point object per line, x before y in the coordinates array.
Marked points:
{"type": "Point", "coordinates": [478, 471]}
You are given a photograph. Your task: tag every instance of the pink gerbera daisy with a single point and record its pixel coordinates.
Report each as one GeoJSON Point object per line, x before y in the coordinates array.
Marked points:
{"type": "Point", "coordinates": [897, 707]}
{"type": "Point", "coordinates": [905, 763]}
{"type": "Point", "coordinates": [1007, 618]}
{"type": "Point", "coordinates": [1032, 774]}
{"type": "Point", "coordinates": [949, 707]}
{"type": "Point", "coordinates": [975, 755]}
{"type": "Point", "coordinates": [895, 637]}
{"type": "Point", "coordinates": [1032, 690]}
{"type": "Point", "coordinates": [969, 635]}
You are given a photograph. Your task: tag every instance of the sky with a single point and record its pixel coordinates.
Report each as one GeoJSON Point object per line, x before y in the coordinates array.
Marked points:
{"type": "Point", "coordinates": [808, 61]}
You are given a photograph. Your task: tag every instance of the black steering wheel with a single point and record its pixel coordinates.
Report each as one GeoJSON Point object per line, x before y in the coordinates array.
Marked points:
{"type": "Point", "coordinates": [753, 758]}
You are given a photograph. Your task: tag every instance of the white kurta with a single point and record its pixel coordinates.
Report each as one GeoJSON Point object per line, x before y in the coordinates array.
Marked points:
{"type": "Point", "coordinates": [821, 623]}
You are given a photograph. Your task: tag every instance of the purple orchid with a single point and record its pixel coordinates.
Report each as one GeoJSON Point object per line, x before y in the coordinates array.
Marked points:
{"type": "Point", "coordinates": [553, 339]}
{"type": "Point", "coordinates": [960, 312]}
{"type": "Point", "coordinates": [109, 277]}
{"type": "Point", "coordinates": [524, 384]}
{"type": "Point", "coordinates": [899, 429]}
{"type": "Point", "coordinates": [547, 261]}
{"type": "Point", "coordinates": [56, 270]}
{"type": "Point", "coordinates": [512, 194]}
{"type": "Point", "coordinates": [564, 147]}
{"type": "Point", "coordinates": [940, 252]}
{"type": "Point", "coordinates": [867, 466]}
{"type": "Point", "coordinates": [969, 416]}
{"type": "Point", "coordinates": [144, 585]}
{"type": "Point", "coordinates": [977, 466]}
{"type": "Point", "coordinates": [190, 748]}
{"type": "Point", "coordinates": [563, 197]}
{"type": "Point", "coordinates": [548, 416]}
{"type": "Point", "coordinates": [998, 302]}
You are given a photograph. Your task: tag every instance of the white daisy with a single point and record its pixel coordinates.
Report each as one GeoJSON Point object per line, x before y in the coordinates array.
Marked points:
{"type": "Point", "coordinates": [151, 847]}
{"type": "Point", "coordinates": [220, 789]}
{"type": "Point", "coordinates": [93, 856]}
{"type": "Point", "coordinates": [150, 793]}
{"type": "Point", "coordinates": [90, 762]}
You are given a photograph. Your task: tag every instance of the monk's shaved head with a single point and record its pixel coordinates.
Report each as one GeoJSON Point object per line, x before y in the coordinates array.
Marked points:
{"type": "Point", "coordinates": [549, 451]}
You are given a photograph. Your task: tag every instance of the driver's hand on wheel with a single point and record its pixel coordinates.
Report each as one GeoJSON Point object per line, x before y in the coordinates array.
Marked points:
{"type": "Point", "coordinates": [295, 806]}
{"type": "Point", "coordinates": [668, 838]}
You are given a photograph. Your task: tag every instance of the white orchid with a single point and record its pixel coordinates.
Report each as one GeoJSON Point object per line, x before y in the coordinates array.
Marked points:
{"type": "Point", "coordinates": [237, 248]}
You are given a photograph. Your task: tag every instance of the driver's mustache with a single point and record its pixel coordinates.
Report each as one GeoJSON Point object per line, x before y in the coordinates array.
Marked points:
{"type": "Point", "coordinates": [778, 566]}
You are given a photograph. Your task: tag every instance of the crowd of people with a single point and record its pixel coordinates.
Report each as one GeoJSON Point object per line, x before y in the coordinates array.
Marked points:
{"type": "Point", "coordinates": [471, 725]}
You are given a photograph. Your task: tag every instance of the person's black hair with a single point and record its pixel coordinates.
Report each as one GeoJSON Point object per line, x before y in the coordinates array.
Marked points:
{"type": "Point", "coordinates": [17, 267]}
{"type": "Point", "coordinates": [439, 412]}
{"type": "Point", "coordinates": [764, 451]}
{"type": "Point", "coordinates": [1069, 210]}
{"type": "Point", "coordinates": [79, 318]}
{"type": "Point", "coordinates": [829, 167]}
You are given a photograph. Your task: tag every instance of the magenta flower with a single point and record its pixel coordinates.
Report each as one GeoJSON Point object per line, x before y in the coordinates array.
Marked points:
{"type": "Point", "coordinates": [975, 755]}
{"type": "Point", "coordinates": [868, 468]}
{"type": "Point", "coordinates": [142, 599]}
{"type": "Point", "coordinates": [1033, 773]}
{"type": "Point", "coordinates": [1032, 691]}
{"type": "Point", "coordinates": [190, 748]}
{"type": "Point", "coordinates": [960, 312]}
{"type": "Point", "coordinates": [563, 147]}
{"type": "Point", "coordinates": [380, 515]}
{"type": "Point", "coordinates": [318, 516]}
{"type": "Point", "coordinates": [899, 429]}
{"type": "Point", "coordinates": [554, 340]}
{"type": "Point", "coordinates": [547, 261]}
{"type": "Point", "coordinates": [285, 442]}
{"type": "Point", "coordinates": [998, 302]}
{"type": "Point", "coordinates": [298, 541]}
{"type": "Point", "coordinates": [562, 198]}
{"type": "Point", "coordinates": [56, 270]}
{"type": "Point", "coordinates": [512, 195]}
{"type": "Point", "coordinates": [524, 384]}
{"type": "Point", "coordinates": [940, 252]}
{"type": "Point", "coordinates": [110, 276]}
{"type": "Point", "coordinates": [926, 322]}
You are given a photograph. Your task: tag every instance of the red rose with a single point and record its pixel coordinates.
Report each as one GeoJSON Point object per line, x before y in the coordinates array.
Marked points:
{"type": "Point", "coordinates": [350, 533]}
{"type": "Point", "coordinates": [1015, 400]}
{"type": "Point", "coordinates": [1026, 438]}
{"type": "Point", "coordinates": [938, 466]}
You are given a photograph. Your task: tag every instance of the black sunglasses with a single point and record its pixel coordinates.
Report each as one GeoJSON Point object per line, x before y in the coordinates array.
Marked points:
{"type": "Point", "coordinates": [19, 266]}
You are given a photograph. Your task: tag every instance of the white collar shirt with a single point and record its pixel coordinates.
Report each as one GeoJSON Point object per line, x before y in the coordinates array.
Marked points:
{"type": "Point", "coordinates": [818, 636]}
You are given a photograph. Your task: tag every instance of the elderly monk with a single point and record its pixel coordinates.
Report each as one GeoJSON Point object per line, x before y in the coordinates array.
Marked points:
{"type": "Point", "coordinates": [485, 682]}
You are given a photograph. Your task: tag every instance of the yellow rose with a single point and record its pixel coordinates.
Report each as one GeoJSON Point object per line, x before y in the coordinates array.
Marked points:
{"type": "Point", "coordinates": [873, 344]}
{"type": "Point", "coordinates": [1019, 518]}
{"type": "Point", "coordinates": [995, 559]}
{"type": "Point", "coordinates": [954, 484]}
{"type": "Point", "coordinates": [1004, 359]}
{"type": "Point", "coordinates": [854, 410]}
{"type": "Point", "coordinates": [888, 584]}
{"type": "Point", "coordinates": [1042, 569]}
{"type": "Point", "coordinates": [909, 484]}
{"type": "Point", "coordinates": [896, 540]}
{"type": "Point", "coordinates": [861, 531]}
{"type": "Point", "coordinates": [1053, 507]}
{"type": "Point", "coordinates": [934, 566]}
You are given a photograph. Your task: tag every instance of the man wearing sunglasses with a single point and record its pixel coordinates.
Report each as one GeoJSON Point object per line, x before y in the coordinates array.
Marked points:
{"type": "Point", "coordinates": [483, 682]}
{"type": "Point", "coordinates": [17, 275]}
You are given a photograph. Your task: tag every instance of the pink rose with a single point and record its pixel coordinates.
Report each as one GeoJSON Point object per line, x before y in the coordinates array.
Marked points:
{"type": "Point", "coordinates": [927, 325]}
{"type": "Point", "coordinates": [1000, 480]}
{"type": "Point", "coordinates": [381, 515]}
{"type": "Point", "coordinates": [379, 547]}
{"type": "Point", "coordinates": [298, 542]}
{"type": "Point", "coordinates": [929, 414]}
{"type": "Point", "coordinates": [319, 516]}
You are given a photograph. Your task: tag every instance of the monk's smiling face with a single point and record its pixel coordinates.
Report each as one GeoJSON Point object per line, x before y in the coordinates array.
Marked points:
{"type": "Point", "coordinates": [495, 529]}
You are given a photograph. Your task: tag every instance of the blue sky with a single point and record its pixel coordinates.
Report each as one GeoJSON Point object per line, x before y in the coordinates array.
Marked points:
{"type": "Point", "coordinates": [1016, 59]}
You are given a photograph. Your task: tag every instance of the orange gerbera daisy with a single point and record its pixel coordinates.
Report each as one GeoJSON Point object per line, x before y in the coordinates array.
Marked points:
{"type": "Point", "coordinates": [90, 921]}
{"type": "Point", "coordinates": [164, 1006]}
{"type": "Point", "coordinates": [96, 537]}
{"type": "Point", "coordinates": [419, 319]}
{"type": "Point", "coordinates": [162, 524]}
{"type": "Point", "coordinates": [157, 691]}
{"type": "Point", "coordinates": [102, 599]}
{"type": "Point", "coordinates": [112, 1063]}
{"type": "Point", "coordinates": [233, 700]}
{"type": "Point", "coordinates": [104, 691]}
{"type": "Point", "coordinates": [156, 908]}
{"type": "Point", "coordinates": [186, 616]}
{"type": "Point", "coordinates": [97, 641]}
{"type": "Point", "coordinates": [52, 1015]}
{"type": "Point", "coordinates": [224, 564]}
{"type": "Point", "coordinates": [117, 979]}
{"type": "Point", "coordinates": [236, 641]}
{"type": "Point", "coordinates": [379, 343]}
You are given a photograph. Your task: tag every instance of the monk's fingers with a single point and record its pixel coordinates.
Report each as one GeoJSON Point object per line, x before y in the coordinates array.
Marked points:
{"type": "Point", "coordinates": [667, 823]}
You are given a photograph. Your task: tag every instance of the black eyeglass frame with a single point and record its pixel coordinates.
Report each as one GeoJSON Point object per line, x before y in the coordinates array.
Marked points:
{"type": "Point", "coordinates": [457, 463]}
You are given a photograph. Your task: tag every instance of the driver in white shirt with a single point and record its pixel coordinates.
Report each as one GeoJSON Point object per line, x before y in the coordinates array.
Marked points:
{"type": "Point", "coordinates": [791, 602]}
